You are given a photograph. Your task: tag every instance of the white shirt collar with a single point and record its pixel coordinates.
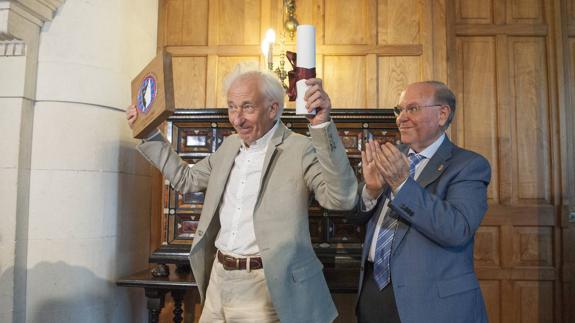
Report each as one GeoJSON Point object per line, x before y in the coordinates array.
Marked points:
{"type": "Point", "coordinates": [431, 149]}
{"type": "Point", "coordinates": [261, 143]}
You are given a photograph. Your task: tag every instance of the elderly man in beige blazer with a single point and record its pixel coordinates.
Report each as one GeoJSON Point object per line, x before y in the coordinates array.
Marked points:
{"type": "Point", "coordinates": [252, 256]}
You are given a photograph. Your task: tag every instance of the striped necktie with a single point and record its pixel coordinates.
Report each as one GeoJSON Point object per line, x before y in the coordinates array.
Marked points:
{"type": "Point", "coordinates": [381, 269]}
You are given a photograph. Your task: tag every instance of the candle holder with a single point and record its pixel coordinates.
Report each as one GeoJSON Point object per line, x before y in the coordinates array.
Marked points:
{"type": "Point", "coordinates": [290, 24]}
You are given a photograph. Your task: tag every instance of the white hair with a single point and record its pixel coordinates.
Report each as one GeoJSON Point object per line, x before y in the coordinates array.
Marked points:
{"type": "Point", "coordinates": [270, 86]}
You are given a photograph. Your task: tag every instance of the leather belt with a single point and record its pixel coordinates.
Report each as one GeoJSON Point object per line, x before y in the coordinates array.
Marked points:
{"type": "Point", "coordinates": [233, 263]}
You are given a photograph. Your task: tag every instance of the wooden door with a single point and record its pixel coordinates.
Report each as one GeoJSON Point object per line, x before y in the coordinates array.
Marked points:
{"type": "Point", "coordinates": [506, 68]}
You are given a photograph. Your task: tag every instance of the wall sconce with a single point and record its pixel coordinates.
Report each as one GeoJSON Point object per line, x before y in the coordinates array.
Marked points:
{"type": "Point", "coordinates": [290, 27]}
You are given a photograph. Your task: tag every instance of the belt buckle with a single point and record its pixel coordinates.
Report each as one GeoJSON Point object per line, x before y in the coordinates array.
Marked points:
{"type": "Point", "coordinates": [228, 260]}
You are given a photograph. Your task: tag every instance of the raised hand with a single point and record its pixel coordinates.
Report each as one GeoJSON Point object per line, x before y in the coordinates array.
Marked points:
{"type": "Point", "coordinates": [374, 181]}
{"type": "Point", "coordinates": [391, 164]}
{"type": "Point", "coordinates": [316, 98]}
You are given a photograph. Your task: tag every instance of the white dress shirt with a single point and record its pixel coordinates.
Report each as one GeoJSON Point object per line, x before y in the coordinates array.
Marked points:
{"type": "Point", "coordinates": [237, 236]}
{"type": "Point", "coordinates": [370, 203]}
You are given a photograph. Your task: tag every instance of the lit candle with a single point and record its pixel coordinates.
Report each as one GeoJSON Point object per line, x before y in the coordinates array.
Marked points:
{"type": "Point", "coordinates": [270, 39]}
{"type": "Point", "coordinates": [271, 55]}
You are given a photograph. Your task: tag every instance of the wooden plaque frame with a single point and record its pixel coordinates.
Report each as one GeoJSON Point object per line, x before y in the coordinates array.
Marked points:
{"type": "Point", "coordinates": [153, 95]}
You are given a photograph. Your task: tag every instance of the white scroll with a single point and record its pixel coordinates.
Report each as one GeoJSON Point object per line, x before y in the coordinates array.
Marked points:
{"type": "Point", "coordinates": [305, 59]}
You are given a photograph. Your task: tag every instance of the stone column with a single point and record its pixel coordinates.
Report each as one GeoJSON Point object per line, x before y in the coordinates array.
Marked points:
{"type": "Point", "coordinates": [74, 194]}
{"type": "Point", "coordinates": [20, 25]}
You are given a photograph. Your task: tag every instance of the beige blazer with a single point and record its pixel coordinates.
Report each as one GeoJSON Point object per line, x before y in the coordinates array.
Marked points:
{"type": "Point", "coordinates": [295, 167]}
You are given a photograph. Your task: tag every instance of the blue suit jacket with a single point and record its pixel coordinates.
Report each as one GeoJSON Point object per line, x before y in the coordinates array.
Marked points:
{"type": "Point", "coordinates": [432, 253]}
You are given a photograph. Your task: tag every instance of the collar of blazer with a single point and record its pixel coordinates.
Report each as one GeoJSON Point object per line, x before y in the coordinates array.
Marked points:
{"type": "Point", "coordinates": [282, 132]}
{"type": "Point", "coordinates": [436, 164]}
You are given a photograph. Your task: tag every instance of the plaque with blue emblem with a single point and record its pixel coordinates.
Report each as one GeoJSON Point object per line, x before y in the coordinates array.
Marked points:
{"type": "Point", "coordinates": [153, 95]}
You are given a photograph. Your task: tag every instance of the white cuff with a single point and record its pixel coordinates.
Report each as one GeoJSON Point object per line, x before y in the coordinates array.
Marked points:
{"type": "Point", "coordinates": [368, 202]}
{"type": "Point", "coordinates": [321, 125]}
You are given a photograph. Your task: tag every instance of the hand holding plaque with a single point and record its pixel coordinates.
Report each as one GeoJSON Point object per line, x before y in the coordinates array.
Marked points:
{"type": "Point", "coordinates": [152, 96]}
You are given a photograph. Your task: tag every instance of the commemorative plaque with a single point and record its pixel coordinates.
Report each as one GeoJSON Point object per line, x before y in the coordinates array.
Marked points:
{"type": "Point", "coordinates": [153, 95]}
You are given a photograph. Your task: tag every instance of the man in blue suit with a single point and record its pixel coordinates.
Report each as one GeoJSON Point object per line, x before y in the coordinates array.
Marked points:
{"type": "Point", "coordinates": [422, 202]}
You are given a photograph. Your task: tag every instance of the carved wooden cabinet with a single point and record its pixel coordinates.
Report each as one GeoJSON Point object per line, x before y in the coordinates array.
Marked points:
{"type": "Point", "coordinates": [195, 134]}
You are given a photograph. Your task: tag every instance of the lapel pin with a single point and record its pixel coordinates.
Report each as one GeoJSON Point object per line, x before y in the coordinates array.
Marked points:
{"type": "Point", "coordinates": [440, 168]}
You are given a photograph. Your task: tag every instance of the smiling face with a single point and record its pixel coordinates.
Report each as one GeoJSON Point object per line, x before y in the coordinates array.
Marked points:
{"type": "Point", "coordinates": [251, 114]}
{"type": "Point", "coordinates": [421, 128]}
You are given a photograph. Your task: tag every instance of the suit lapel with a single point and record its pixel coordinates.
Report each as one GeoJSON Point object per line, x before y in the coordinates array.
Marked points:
{"type": "Point", "coordinates": [272, 152]}
{"type": "Point", "coordinates": [434, 168]}
{"type": "Point", "coordinates": [436, 164]}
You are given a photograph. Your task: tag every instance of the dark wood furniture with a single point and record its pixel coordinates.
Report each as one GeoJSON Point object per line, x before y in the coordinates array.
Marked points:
{"type": "Point", "coordinates": [178, 283]}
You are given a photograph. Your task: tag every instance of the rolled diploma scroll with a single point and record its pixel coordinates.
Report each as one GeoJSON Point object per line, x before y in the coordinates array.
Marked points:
{"type": "Point", "coordinates": [305, 59]}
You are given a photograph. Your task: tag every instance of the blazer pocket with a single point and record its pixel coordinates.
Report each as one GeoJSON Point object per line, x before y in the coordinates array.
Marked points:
{"type": "Point", "coordinates": [310, 269]}
{"type": "Point", "coordinates": [457, 285]}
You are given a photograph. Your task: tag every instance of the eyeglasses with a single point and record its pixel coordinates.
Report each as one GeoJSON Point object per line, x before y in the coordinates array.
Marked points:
{"type": "Point", "coordinates": [412, 109]}
{"type": "Point", "coordinates": [246, 109]}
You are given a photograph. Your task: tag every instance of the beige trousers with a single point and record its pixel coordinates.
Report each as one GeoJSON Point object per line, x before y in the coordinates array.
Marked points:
{"type": "Point", "coordinates": [237, 296]}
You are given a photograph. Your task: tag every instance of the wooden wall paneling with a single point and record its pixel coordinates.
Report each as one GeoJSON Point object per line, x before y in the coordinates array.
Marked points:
{"type": "Point", "coordinates": [195, 24]}
{"type": "Point", "coordinates": [507, 300]}
{"type": "Point", "coordinates": [226, 65]}
{"type": "Point", "coordinates": [566, 21]}
{"type": "Point", "coordinates": [530, 90]}
{"type": "Point", "coordinates": [372, 81]}
{"type": "Point", "coordinates": [500, 11]}
{"type": "Point", "coordinates": [318, 20]}
{"type": "Point", "coordinates": [491, 291]}
{"type": "Point", "coordinates": [174, 13]}
{"type": "Point", "coordinates": [394, 74]}
{"type": "Point", "coordinates": [487, 251]}
{"type": "Point", "coordinates": [371, 70]}
{"type": "Point", "coordinates": [533, 302]}
{"type": "Point", "coordinates": [567, 116]}
{"type": "Point", "coordinates": [213, 23]}
{"type": "Point", "coordinates": [525, 11]}
{"type": "Point", "coordinates": [474, 12]}
{"type": "Point", "coordinates": [345, 80]}
{"type": "Point", "coordinates": [399, 22]}
{"type": "Point", "coordinates": [307, 12]}
{"type": "Point", "coordinates": [426, 37]}
{"type": "Point", "coordinates": [239, 22]}
{"type": "Point", "coordinates": [212, 81]}
{"type": "Point", "coordinates": [555, 50]}
{"type": "Point", "coordinates": [345, 22]}
{"type": "Point", "coordinates": [533, 246]}
{"type": "Point", "coordinates": [506, 125]}
{"type": "Point", "coordinates": [439, 45]}
{"type": "Point", "coordinates": [190, 81]}
{"type": "Point", "coordinates": [476, 91]}
{"type": "Point", "coordinates": [186, 22]}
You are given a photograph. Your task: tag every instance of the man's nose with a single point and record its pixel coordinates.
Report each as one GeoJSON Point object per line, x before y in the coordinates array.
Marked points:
{"type": "Point", "coordinates": [402, 117]}
{"type": "Point", "coordinates": [238, 119]}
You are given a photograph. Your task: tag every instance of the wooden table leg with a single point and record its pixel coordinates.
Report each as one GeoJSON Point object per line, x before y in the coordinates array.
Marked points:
{"type": "Point", "coordinates": [178, 296]}
{"type": "Point", "coordinates": [155, 303]}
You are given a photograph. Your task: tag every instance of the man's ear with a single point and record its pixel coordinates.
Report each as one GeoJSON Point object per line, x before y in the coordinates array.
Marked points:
{"type": "Point", "coordinates": [274, 109]}
{"type": "Point", "coordinates": [444, 113]}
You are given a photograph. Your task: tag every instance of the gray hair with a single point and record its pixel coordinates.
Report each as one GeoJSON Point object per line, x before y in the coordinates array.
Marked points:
{"type": "Point", "coordinates": [270, 86]}
{"type": "Point", "coordinates": [443, 95]}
